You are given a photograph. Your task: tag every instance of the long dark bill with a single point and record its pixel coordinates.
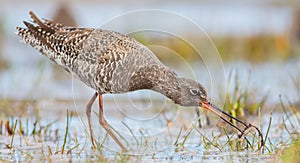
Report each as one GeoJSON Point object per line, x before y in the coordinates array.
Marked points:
{"type": "Point", "coordinates": [214, 109]}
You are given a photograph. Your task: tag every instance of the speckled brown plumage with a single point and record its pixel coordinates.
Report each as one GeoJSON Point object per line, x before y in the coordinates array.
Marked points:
{"type": "Point", "coordinates": [107, 61]}
{"type": "Point", "coordinates": [111, 62]}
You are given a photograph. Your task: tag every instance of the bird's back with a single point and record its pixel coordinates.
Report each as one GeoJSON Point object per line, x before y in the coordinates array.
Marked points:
{"type": "Point", "coordinates": [102, 59]}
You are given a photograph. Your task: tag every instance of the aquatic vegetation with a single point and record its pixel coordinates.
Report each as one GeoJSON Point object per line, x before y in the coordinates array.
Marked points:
{"type": "Point", "coordinates": [58, 138]}
{"type": "Point", "coordinates": [291, 153]}
{"type": "Point", "coordinates": [241, 101]}
{"type": "Point", "coordinates": [65, 143]}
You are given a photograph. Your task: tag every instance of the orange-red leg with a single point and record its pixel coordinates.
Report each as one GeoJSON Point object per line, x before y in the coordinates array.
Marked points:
{"type": "Point", "coordinates": [105, 125]}
{"type": "Point", "coordinates": [88, 114]}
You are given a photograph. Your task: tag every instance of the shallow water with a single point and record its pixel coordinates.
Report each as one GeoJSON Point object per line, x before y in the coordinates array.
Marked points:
{"type": "Point", "coordinates": [149, 139]}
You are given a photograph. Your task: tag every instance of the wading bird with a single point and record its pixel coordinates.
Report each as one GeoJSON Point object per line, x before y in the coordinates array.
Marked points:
{"type": "Point", "coordinates": [111, 62]}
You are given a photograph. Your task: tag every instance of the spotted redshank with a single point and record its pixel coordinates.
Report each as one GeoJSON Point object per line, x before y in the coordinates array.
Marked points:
{"type": "Point", "coordinates": [111, 62]}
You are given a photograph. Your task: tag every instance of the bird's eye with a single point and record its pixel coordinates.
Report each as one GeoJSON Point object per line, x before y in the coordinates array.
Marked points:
{"type": "Point", "coordinates": [195, 92]}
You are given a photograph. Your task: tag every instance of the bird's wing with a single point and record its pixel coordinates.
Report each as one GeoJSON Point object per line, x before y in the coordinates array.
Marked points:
{"type": "Point", "coordinates": [58, 42]}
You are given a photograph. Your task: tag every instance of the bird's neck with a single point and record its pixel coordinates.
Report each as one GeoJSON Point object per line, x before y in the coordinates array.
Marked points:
{"type": "Point", "coordinates": [169, 86]}
{"type": "Point", "coordinates": [159, 79]}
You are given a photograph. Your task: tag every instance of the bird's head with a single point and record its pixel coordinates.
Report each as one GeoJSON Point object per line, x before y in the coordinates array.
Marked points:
{"type": "Point", "coordinates": [191, 93]}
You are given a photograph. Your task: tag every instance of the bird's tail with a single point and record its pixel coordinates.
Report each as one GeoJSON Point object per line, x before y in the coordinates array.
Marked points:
{"type": "Point", "coordinates": [37, 34]}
